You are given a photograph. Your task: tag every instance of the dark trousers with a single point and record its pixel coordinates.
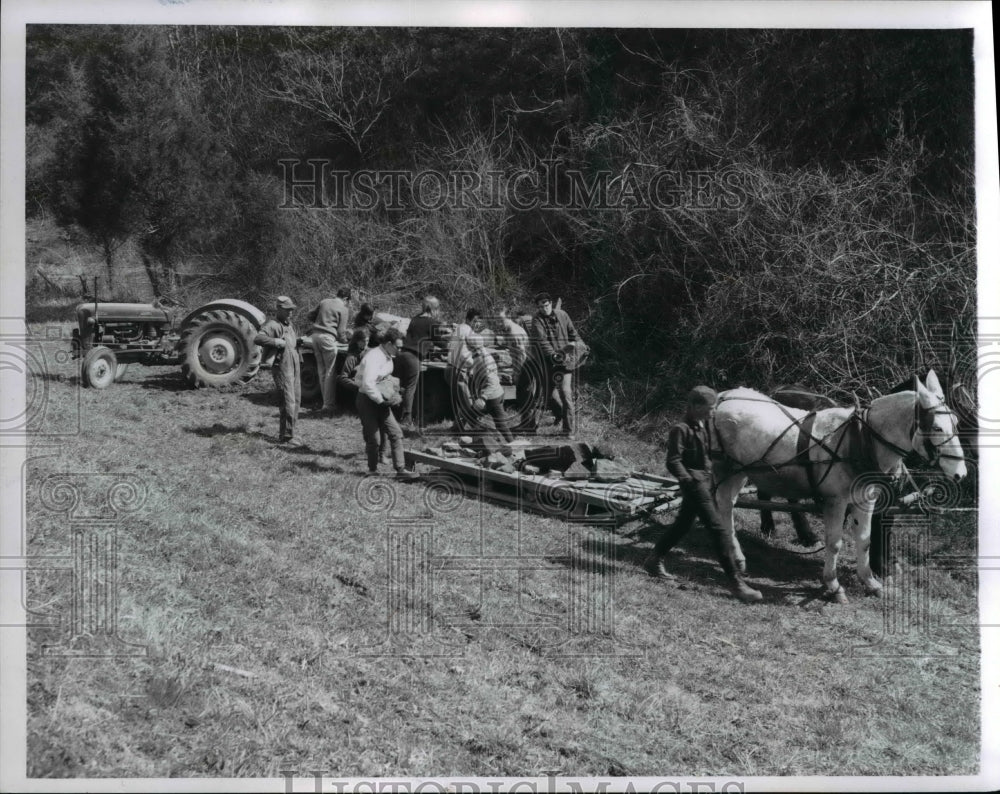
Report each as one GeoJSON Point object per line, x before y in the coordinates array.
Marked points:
{"type": "Point", "coordinates": [495, 409]}
{"type": "Point", "coordinates": [406, 367]}
{"type": "Point", "coordinates": [289, 395]}
{"type": "Point", "coordinates": [347, 392]}
{"type": "Point", "coordinates": [878, 556]}
{"type": "Point", "coordinates": [461, 400]}
{"type": "Point", "coordinates": [698, 503]}
{"type": "Point", "coordinates": [880, 552]}
{"type": "Point", "coordinates": [561, 398]}
{"type": "Point", "coordinates": [377, 418]}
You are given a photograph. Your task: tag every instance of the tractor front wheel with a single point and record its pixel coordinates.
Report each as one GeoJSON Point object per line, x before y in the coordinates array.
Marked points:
{"type": "Point", "coordinates": [217, 349]}
{"type": "Point", "coordinates": [100, 368]}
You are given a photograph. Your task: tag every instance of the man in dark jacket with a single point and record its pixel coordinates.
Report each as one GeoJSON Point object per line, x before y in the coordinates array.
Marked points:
{"type": "Point", "coordinates": [552, 330]}
{"type": "Point", "coordinates": [417, 344]}
{"type": "Point", "coordinates": [689, 450]}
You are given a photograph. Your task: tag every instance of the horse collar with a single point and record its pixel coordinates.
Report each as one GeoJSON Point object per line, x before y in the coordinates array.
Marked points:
{"type": "Point", "coordinates": [870, 436]}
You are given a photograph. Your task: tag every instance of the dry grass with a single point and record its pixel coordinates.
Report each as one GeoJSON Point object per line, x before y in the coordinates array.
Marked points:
{"type": "Point", "coordinates": [253, 558]}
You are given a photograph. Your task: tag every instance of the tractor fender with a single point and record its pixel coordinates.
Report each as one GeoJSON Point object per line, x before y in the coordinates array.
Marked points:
{"type": "Point", "coordinates": [252, 314]}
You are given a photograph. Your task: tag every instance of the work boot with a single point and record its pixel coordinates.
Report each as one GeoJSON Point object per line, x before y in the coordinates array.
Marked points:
{"type": "Point", "coordinates": [743, 591]}
{"type": "Point", "coordinates": [654, 567]}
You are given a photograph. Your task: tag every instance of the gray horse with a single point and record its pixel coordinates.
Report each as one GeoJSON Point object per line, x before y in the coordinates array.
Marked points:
{"type": "Point", "coordinates": [829, 458]}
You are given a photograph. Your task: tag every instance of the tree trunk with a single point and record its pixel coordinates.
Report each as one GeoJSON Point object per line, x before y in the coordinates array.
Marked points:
{"type": "Point", "coordinates": [109, 261]}
{"type": "Point", "coordinates": [152, 273]}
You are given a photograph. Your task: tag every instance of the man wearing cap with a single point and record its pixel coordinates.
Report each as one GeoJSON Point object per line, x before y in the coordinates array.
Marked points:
{"type": "Point", "coordinates": [278, 339]}
{"type": "Point", "coordinates": [689, 451]}
{"type": "Point", "coordinates": [553, 330]}
{"type": "Point", "coordinates": [375, 408]}
{"type": "Point", "coordinates": [330, 333]}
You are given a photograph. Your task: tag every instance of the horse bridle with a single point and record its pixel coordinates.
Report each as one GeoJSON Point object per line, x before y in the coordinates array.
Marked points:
{"type": "Point", "coordinates": [923, 423]}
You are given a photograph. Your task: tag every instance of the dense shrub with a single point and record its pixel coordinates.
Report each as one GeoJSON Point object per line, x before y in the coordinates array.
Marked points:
{"type": "Point", "coordinates": [821, 229]}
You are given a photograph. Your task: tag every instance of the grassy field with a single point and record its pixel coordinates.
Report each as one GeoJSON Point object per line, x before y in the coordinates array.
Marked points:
{"type": "Point", "coordinates": [291, 618]}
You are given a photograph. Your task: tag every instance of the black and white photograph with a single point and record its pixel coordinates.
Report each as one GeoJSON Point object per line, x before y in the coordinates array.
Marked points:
{"type": "Point", "coordinates": [512, 396]}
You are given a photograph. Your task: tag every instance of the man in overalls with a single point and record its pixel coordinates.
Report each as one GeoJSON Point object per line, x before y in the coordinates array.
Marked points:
{"type": "Point", "coordinates": [279, 340]}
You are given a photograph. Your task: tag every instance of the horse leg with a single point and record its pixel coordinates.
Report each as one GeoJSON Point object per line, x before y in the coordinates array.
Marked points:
{"type": "Point", "coordinates": [766, 516]}
{"type": "Point", "coordinates": [803, 531]}
{"type": "Point", "coordinates": [833, 518]}
{"type": "Point", "coordinates": [860, 519]}
{"type": "Point", "coordinates": [725, 497]}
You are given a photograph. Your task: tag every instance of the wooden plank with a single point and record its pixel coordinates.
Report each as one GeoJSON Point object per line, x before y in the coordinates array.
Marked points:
{"type": "Point", "coordinates": [778, 507]}
{"type": "Point", "coordinates": [588, 496]}
{"type": "Point", "coordinates": [655, 478]}
{"type": "Point", "coordinates": [903, 505]}
{"type": "Point", "coordinates": [525, 502]}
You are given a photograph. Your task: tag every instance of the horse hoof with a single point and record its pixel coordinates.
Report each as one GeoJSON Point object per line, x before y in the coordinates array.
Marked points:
{"type": "Point", "coordinates": [837, 596]}
{"type": "Point", "coordinates": [874, 590]}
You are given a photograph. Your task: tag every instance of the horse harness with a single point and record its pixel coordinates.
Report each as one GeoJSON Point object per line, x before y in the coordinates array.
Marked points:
{"type": "Point", "coordinates": [863, 438]}
{"type": "Point", "coordinates": [805, 442]}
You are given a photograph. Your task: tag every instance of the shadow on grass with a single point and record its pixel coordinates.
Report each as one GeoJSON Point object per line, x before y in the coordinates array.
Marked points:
{"type": "Point", "coordinates": [268, 398]}
{"type": "Point", "coordinates": [219, 429]}
{"type": "Point", "coordinates": [56, 377]}
{"type": "Point", "coordinates": [316, 467]}
{"type": "Point", "coordinates": [780, 574]}
{"type": "Point", "coordinates": [170, 381]}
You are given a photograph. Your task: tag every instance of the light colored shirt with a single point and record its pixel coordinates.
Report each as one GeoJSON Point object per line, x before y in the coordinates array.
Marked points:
{"type": "Point", "coordinates": [485, 377]}
{"type": "Point", "coordinates": [517, 341]}
{"type": "Point", "coordinates": [332, 317]}
{"type": "Point", "coordinates": [375, 365]}
{"type": "Point", "coordinates": [515, 333]}
{"type": "Point", "coordinates": [458, 354]}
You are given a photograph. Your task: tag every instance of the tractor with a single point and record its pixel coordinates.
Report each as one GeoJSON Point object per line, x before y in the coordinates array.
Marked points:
{"type": "Point", "coordinates": [213, 344]}
{"type": "Point", "coordinates": [214, 347]}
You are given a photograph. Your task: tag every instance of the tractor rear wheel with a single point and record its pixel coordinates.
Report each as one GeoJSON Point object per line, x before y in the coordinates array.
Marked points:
{"type": "Point", "coordinates": [217, 349]}
{"type": "Point", "coordinates": [100, 367]}
{"type": "Point", "coordinates": [312, 391]}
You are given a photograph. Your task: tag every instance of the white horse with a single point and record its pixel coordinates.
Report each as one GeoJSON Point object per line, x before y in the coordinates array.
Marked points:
{"type": "Point", "coordinates": [833, 456]}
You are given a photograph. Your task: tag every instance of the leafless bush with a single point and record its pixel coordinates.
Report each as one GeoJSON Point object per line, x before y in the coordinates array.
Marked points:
{"type": "Point", "coordinates": [846, 282]}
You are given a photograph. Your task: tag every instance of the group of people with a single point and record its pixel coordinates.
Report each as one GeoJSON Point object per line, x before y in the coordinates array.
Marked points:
{"type": "Point", "coordinates": [380, 372]}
